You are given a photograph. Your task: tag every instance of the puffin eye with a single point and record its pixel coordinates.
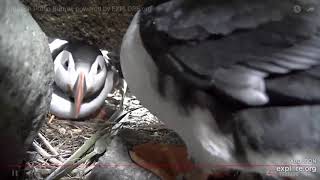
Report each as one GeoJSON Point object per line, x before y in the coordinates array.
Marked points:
{"type": "Point", "coordinates": [66, 65]}
{"type": "Point", "coordinates": [99, 69]}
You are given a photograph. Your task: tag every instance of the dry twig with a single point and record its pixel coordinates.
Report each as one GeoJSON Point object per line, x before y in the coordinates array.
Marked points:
{"type": "Point", "coordinates": [51, 119]}
{"type": "Point", "coordinates": [49, 146]}
{"type": "Point", "coordinates": [45, 154]}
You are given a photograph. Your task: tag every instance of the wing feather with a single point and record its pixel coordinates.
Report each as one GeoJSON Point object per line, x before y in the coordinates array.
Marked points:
{"type": "Point", "coordinates": [239, 45]}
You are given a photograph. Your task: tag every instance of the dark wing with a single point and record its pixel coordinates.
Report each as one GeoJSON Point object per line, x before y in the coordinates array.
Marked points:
{"type": "Point", "coordinates": [255, 52]}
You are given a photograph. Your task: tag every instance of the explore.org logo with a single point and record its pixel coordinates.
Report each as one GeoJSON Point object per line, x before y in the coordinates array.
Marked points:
{"type": "Point", "coordinates": [306, 167]}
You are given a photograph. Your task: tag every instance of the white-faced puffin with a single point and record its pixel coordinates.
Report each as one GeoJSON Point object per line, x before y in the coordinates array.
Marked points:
{"type": "Point", "coordinates": [239, 81]}
{"type": "Point", "coordinates": [83, 78]}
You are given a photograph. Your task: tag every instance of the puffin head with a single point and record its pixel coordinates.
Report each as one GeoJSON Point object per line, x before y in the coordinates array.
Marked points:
{"type": "Point", "coordinates": [80, 72]}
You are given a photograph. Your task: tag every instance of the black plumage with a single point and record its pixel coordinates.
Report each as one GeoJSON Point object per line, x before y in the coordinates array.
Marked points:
{"type": "Point", "coordinates": [253, 64]}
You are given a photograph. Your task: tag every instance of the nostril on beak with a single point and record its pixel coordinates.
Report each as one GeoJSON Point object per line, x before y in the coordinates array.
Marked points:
{"type": "Point", "coordinates": [69, 89]}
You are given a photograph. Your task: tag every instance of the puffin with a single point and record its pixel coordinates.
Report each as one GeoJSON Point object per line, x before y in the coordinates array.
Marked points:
{"type": "Point", "coordinates": [83, 78]}
{"type": "Point", "coordinates": [239, 81]}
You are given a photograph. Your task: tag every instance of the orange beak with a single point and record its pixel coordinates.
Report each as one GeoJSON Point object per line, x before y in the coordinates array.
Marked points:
{"type": "Point", "coordinates": [79, 93]}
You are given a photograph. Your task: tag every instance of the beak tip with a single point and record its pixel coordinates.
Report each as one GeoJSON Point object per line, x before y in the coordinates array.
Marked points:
{"type": "Point", "coordinates": [77, 114]}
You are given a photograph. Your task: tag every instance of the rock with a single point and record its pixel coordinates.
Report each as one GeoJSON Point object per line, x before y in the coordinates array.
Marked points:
{"type": "Point", "coordinates": [102, 23]}
{"type": "Point", "coordinates": [116, 164]}
{"type": "Point", "coordinates": [140, 134]}
{"type": "Point", "coordinates": [26, 72]}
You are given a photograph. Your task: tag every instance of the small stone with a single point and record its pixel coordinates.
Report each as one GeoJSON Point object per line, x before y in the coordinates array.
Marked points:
{"type": "Point", "coordinates": [62, 131]}
{"type": "Point", "coordinates": [136, 102]}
